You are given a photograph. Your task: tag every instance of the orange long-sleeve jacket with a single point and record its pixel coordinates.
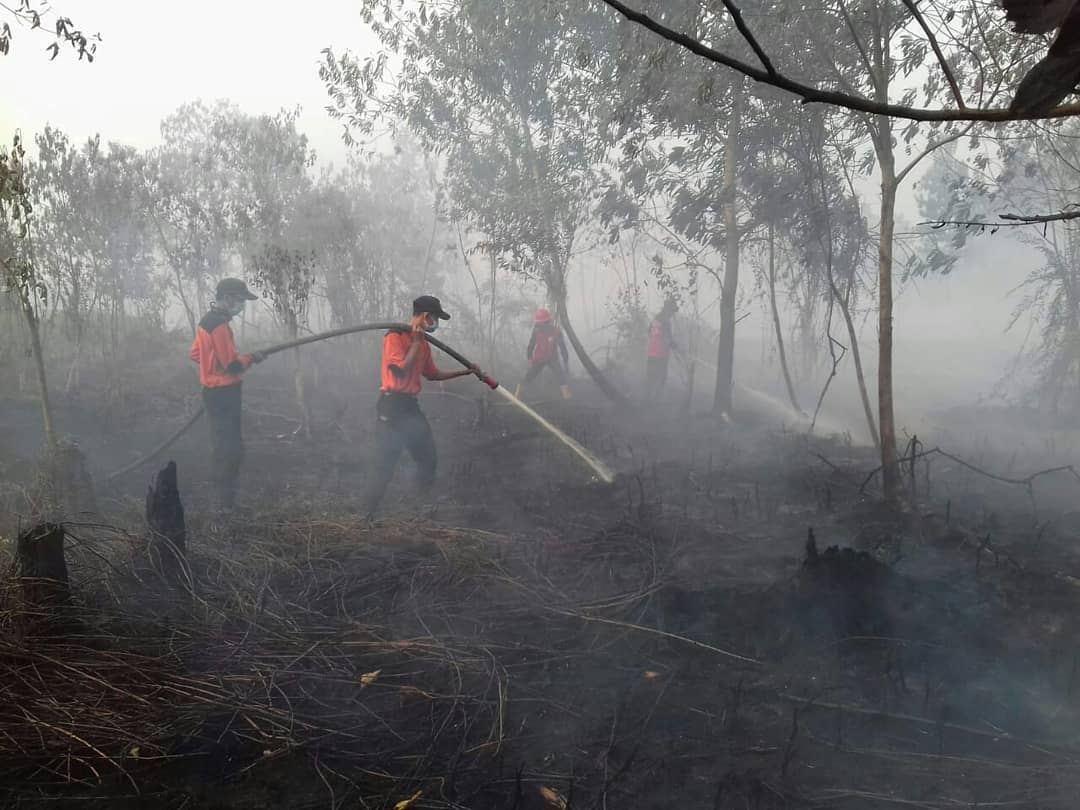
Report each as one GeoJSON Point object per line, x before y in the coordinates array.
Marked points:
{"type": "Point", "coordinates": [214, 349]}
{"type": "Point", "coordinates": [395, 380]}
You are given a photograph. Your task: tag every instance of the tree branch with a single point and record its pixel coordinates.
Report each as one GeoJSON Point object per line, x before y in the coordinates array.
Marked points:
{"type": "Point", "coordinates": [930, 147]}
{"type": "Point", "coordinates": [810, 94]}
{"type": "Point", "coordinates": [937, 52]}
{"type": "Point", "coordinates": [1030, 219]}
{"type": "Point", "coordinates": [748, 35]}
{"type": "Point", "coordinates": [1007, 220]}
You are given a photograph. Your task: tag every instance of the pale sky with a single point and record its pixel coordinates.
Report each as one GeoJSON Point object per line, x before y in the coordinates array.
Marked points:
{"type": "Point", "coordinates": [153, 57]}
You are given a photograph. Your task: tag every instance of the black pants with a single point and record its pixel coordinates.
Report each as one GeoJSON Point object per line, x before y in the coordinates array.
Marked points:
{"type": "Point", "coordinates": [226, 439]}
{"type": "Point", "coordinates": [536, 368]}
{"type": "Point", "coordinates": [655, 378]}
{"type": "Point", "coordinates": [401, 426]}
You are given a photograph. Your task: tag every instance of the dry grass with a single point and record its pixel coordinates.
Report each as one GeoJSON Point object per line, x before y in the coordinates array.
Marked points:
{"type": "Point", "coordinates": [374, 666]}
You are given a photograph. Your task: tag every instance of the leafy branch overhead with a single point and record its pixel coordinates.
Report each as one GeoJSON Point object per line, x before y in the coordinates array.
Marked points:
{"type": "Point", "coordinates": [32, 15]}
{"type": "Point", "coordinates": [1040, 89]}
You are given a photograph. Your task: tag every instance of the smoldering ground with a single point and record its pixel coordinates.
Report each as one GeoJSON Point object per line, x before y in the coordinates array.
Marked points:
{"type": "Point", "coordinates": [535, 639]}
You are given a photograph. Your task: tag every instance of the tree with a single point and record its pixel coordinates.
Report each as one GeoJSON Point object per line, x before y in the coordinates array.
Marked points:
{"type": "Point", "coordinates": [888, 41]}
{"type": "Point", "coordinates": [831, 234]}
{"type": "Point", "coordinates": [823, 92]}
{"type": "Point", "coordinates": [94, 248]}
{"type": "Point", "coordinates": [492, 89]}
{"type": "Point", "coordinates": [20, 276]}
{"type": "Point", "coordinates": [270, 211]}
{"type": "Point", "coordinates": [188, 194]}
{"type": "Point", "coordinates": [61, 196]}
{"type": "Point", "coordinates": [703, 143]}
{"type": "Point", "coordinates": [1035, 173]}
{"type": "Point", "coordinates": [385, 234]}
{"type": "Point", "coordinates": [886, 52]}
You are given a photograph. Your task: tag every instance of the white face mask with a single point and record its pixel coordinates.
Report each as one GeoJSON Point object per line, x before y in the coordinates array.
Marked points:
{"type": "Point", "coordinates": [430, 325]}
{"type": "Point", "coordinates": [236, 308]}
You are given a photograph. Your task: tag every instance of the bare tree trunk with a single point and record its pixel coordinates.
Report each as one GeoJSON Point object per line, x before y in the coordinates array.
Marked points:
{"type": "Point", "coordinates": [776, 322]}
{"type": "Point", "coordinates": [47, 421]}
{"type": "Point", "coordinates": [725, 356]}
{"type": "Point", "coordinates": [77, 318]}
{"type": "Point", "coordinates": [890, 471]}
{"type": "Point", "coordinates": [73, 378]}
{"type": "Point", "coordinates": [292, 324]}
{"type": "Point", "coordinates": [192, 316]}
{"type": "Point", "coordinates": [601, 380]}
{"type": "Point", "coordinates": [881, 135]}
{"type": "Point", "coordinates": [72, 384]}
{"type": "Point", "coordinates": [491, 314]}
{"type": "Point", "coordinates": [844, 303]}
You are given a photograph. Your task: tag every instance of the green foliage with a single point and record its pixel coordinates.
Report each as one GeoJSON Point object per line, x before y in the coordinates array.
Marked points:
{"type": "Point", "coordinates": [382, 233]}
{"type": "Point", "coordinates": [94, 242]}
{"type": "Point", "coordinates": [1039, 175]}
{"type": "Point", "coordinates": [188, 190]}
{"type": "Point", "coordinates": [503, 94]}
{"type": "Point", "coordinates": [949, 190]}
{"type": "Point", "coordinates": [268, 207]}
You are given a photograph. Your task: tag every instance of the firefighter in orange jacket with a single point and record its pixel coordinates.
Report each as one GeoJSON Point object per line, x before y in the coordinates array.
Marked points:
{"type": "Point", "coordinates": [546, 346]}
{"type": "Point", "coordinates": [658, 351]}
{"type": "Point", "coordinates": [220, 371]}
{"type": "Point", "coordinates": [401, 424]}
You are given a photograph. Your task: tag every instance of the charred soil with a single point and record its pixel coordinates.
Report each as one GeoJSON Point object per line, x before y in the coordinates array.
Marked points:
{"type": "Point", "coordinates": [534, 639]}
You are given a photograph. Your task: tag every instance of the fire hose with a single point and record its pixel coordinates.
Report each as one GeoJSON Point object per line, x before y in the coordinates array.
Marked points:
{"type": "Point", "coordinates": [601, 470]}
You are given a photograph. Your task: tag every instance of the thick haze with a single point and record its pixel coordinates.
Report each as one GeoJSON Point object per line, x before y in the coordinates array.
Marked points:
{"type": "Point", "coordinates": [949, 331]}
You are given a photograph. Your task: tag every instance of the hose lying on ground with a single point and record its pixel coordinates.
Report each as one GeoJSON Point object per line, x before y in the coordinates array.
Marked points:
{"type": "Point", "coordinates": [292, 344]}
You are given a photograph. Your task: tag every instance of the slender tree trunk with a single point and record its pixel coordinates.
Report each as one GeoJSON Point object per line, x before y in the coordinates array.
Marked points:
{"type": "Point", "coordinates": [776, 322]}
{"type": "Point", "coordinates": [47, 422]}
{"type": "Point", "coordinates": [725, 356]}
{"type": "Point", "coordinates": [557, 291]}
{"type": "Point", "coordinates": [886, 423]}
{"type": "Point", "coordinates": [491, 314]}
{"type": "Point", "coordinates": [844, 303]}
{"type": "Point", "coordinates": [692, 346]}
{"type": "Point", "coordinates": [192, 316]}
{"type": "Point", "coordinates": [72, 384]}
{"type": "Point", "coordinates": [292, 325]}
{"type": "Point", "coordinates": [881, 135]}
{"type": "Point", "coordinates": [79, 329]}
{"type": "Point", "coordinates": [201, 295]}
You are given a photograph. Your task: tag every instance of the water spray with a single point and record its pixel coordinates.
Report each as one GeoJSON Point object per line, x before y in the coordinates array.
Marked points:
{"type": "Point", "coordinates": [602, 471]}
{"type": "Point", "coordinates": [597, 466]}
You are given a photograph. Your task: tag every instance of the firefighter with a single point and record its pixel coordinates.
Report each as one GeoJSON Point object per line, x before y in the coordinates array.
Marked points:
{"type": "Point", "coordinates": [658, 352]}
{"type": "Point", "coordinates": [401, 424]}
{"type": "Point", "coordinates": [221, 370]}
{"type": "Point", "coordinates": [546, 347]}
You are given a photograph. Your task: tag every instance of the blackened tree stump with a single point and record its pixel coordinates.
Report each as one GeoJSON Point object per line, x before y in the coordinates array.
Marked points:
{"type": "Point", "coordinates": [168, 532]}
{"type": "Point", "coordinates": [42, 570]}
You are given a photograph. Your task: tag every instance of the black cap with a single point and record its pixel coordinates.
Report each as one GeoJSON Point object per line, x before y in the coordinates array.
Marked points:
{"type": "Point", "coordinates": [429, 305]}
{"type": "Point", "coordinates": [236, 288]}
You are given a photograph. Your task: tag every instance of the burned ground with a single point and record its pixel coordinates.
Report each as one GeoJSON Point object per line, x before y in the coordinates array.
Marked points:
{"type": "Point", "coordinates": [534, 639]}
